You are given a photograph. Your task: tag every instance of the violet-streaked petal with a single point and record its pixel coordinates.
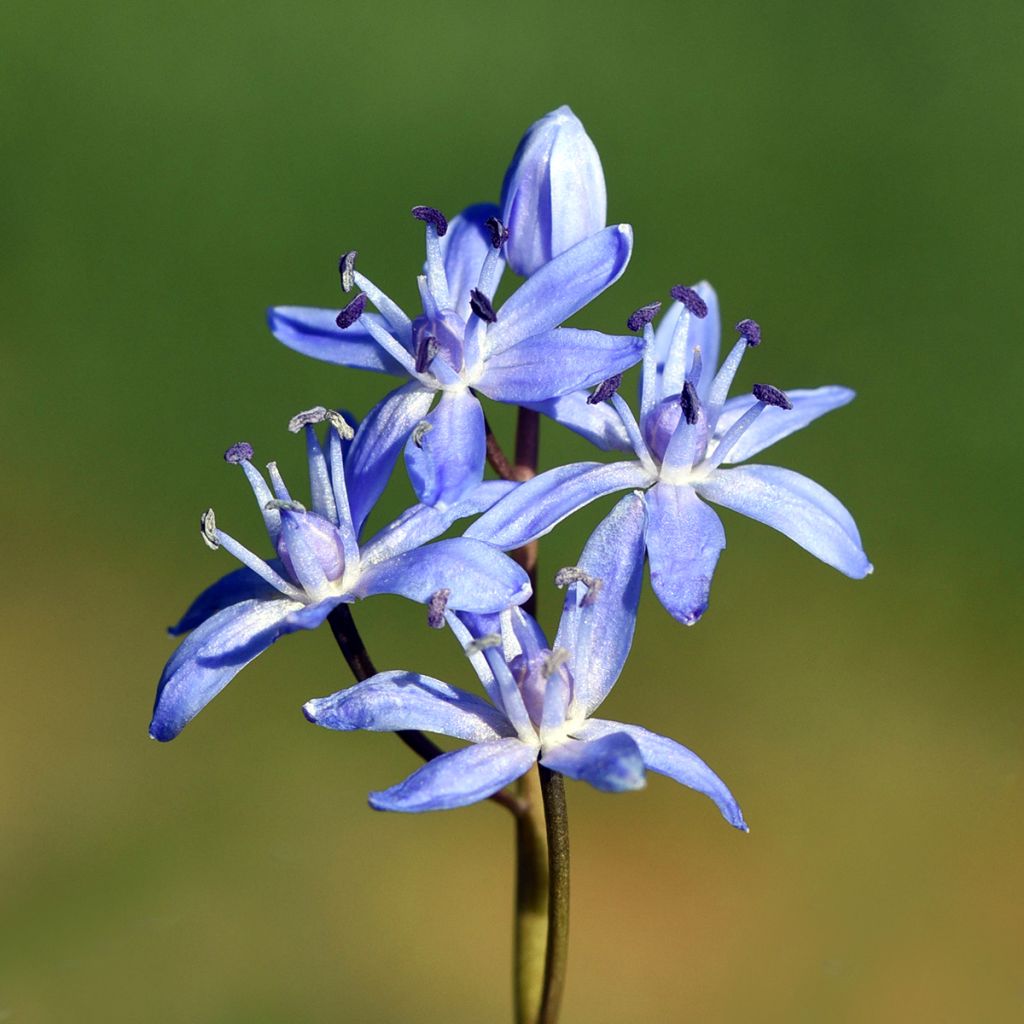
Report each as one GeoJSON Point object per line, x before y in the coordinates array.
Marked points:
{"type": "Point", "coordinates": [598, 631]}
{"type": "Point", "coordinates": [612, 763]}
{"type": "Point", "coordinates": [562, 287]}
{"type": "Point", "coordinates": [665, 756]}
{"type": "Point", "coordinates": [599, 424]}
{"type": "Point", "coordinates": [210, 657]}
{"type": "Point", "coordinates": [459, 778]}
{"type": "Point", "coordinates": [465, 247]}
{"type": "Point", "coordinates": [774, 424]}
{"type": "Point", "coordinates": [377, 443]}
{"type": "Point", "coordinates": [313, 332]}
{"type": "Point", "coordinates": [556, 362]}
{"type": "Point", "coordinates": [312, 615]}
{"type": "Point", "coordinates": [480, 578]}
{"type": "Point", "coordinates": [391, 701]}
{"type": "Point", "coordinates": [239, 585]}
{"type": "Point", "coordinates": [684, 539]}
{"type": "Point", "coordinates": [449, 460]}
{"type": "Point", "coordinates": [794, 505]}
{"type": "Point", "coordinates": [537, 506]}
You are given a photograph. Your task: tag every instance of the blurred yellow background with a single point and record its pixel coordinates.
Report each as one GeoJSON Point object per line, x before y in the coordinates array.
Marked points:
{"type": "Point", "coordinates": [848, 174]}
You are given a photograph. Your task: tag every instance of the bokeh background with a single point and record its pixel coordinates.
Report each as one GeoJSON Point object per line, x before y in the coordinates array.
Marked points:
{"type": "Point", "coordinates": [847, 173]}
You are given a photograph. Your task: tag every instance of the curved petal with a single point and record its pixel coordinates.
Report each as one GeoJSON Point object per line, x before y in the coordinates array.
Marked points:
{"type": "Point", "coordinates": [774, 423]}
{"type": "Point", "coordinates": [597, 625]}
{"type": "Point", "coordinates": [447, 461]}
{"type": "Point", "coordinates": [612, 762]}
{"type": "Point", "coordinates": [377, 443]}
{"type": "Point", "coordinates": [459, 778]}
{"type": "Point", "coordinates": [562, 287]}
{"type": "Point", "coordinates": [669, 758]}
{"type": "Point", "coordinates": [313, 332]}
{"type": "Point", "coordinates": [478, 577]}
{"type": "Point", "coordinates": [392, 701]}
{"type": "Point", "coordinates": [599, 424]}
{"type": "Point", "coordinates": [684, 539]}
{"type": "Point", "coordinates": [210, 657]}
{"type": "Point", "coordinates": [236, 586]}
{"type": "Point", "coordinates": [537, 506]}
{"type": "Point", "coordinates": [555, 362]}
{"type": "Point", "coordinates": [464, 248]}
{"type": "Point", "coordinates": [796, 506]}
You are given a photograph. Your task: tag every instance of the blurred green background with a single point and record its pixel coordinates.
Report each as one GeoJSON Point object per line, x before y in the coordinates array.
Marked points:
{"type": "Point", "coordinates": [849, 174]}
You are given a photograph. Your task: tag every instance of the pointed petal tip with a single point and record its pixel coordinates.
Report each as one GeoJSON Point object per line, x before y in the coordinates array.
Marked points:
{"type": "Point", "coordinates": [161, 732]}
{"type": "Point", "coordinates": [309, 711]}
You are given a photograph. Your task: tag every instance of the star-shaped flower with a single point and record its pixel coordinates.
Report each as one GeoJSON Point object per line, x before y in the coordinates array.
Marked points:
{"type": "Point", "coordinates": [542, 699]}
{"type": "Point", "coordinates": [319, 565]}
{"type": "Point", "coordinates": [688, 431]}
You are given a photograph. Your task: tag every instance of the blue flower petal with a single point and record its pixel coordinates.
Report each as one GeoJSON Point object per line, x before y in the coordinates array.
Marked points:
{"type": "Point", "coordinates": [459, 778]}
{"type": "Point", "coordinates": [612, 762]}
{"type": "Point", "coordinates": [684, 539]}
{"type": "Point", "coordinates": [774, 423]}
{"type": "Point", "coordinates": [446, 462]}
{"type": "Point", "coordinates": [479, 577]}
{"type": "Point", "coordinates": [211, 656]}
{"type": "Point", "coordinates": [562, 287]}
{"type": "Point", "coordinates": [228, 590]}
{"type": "Point", "coordinates": [537, 506]}
{"type": "Point", "coordinates": [464, 248]}
{"type": "Point", "coordinates": [555, 362]}
{"type": "Point", "coordinates": [599, 424]}
{"type": "Point", "coordinates": [313, 332]}
{"type": "Point", "coordinates": [392, 701]}
{"type": "Point", "coordinates": [796, 506]}
{"type": "Point", "coordinates": [669, 758]}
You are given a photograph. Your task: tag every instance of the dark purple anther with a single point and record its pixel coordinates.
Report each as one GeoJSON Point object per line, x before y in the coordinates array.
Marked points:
{"type": "Point", "coordinates": [241, 452]}
{"type": "Point", "coordinates": [499, 233]}
{"type": "Point", "coordinates": [481, 305]}
{"type": "Point", "coordinates": [690, 403]}
{"type": "Point", "coordinates": [426, 349]}
{"type": "Point", "coordinates": [750, 332]}
{"type": "Point", "coordinates": [346, 269]}
{"type": "Point", "coordinates": [691, 300]}
{"type": "Point", "coordinates": [641, 317]}
{"type": "Point", "coordinates": [352, 312]}
{"type": "Point", "coordinates": [605, 390]}
{"type": "Point", "coordinates": [437, 604]}
{"type": "Point", "coordinates": [772, 396]}
{"type": "Point", "coordinates": [432, 216]}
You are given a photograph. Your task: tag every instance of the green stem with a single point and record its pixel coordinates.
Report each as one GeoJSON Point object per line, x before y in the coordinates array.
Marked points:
{"type": "Point", "coordinates": [557, 821]}
{"type": "Point", "coordinates": [531, 921]}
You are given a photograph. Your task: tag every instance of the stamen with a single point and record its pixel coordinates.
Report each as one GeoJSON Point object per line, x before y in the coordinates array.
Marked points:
{"type": "Point", "coordinates": [432, 216]}
{"type": "Point", "coordinates": [554, 661]}
{"type": "Point", "coordinates": [574, 574]}
{"type": "Point", "coordinates": [208, 529]}
{"type": "Point", "coordinates": [438, 603]}
{"type": "Point", "coordinates": [750, 332]}
{"type": "Point", "coordinates": [340, 424]}
{"type": "Point", "coordinates": [690, 403]}
{"type": "Point", "coordinates": [605, 390]}
{"type": "Point", "coordinates": [482, 643]}
{"type": "Point", "coordinates": [772, 396]}
{"type": "Point", "coordinates": [277, 482]}
{"type": "Point", "coordinates": [240, 452]}
{"type": "Point", "coordinates": [426, 349]}
{"type": "Point", "coordinates": [696, 366]}
{"type": "Point", "coordinates": [690, 299]}
{"type": "Point", "coordinates": [420, 431]}
{"type": "Point", "coordinates": [306, 419]}
{"type": "Point", "coordinates": [499, 233]}
{"type": "Point", "coordinates": [481, 305]}
{"type": "Point", "coordinates": [352, 312]}
{"type": "Point", "coordinates": [346, 270]}
{"type": "Point", "coordinates": [639, 318]}
{"type": "Point", "coordinates": [285, 506]}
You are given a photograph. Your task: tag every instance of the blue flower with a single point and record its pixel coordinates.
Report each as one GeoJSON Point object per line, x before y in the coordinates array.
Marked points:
{"type": "Point", "coordinates": [460, 344]}
{"type": "Point", "coordinates": [542, 699]}
{"type": "Point", "coordinates": [688, 431]}
{"type": "Point", "coordinates": [554, 193]}
{"type": "Point", "coordinates": [319, 565]}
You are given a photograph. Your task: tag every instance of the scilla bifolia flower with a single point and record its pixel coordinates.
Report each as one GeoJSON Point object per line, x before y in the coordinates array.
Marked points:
{"type": "Point", "coordinates": [688, 430]}
{"type": "Point", "coordinates": [319, 565]}
{"type": "Point", "coordinates": [554, 192]}
{"type": "Point", "coordinates": [542, 698]}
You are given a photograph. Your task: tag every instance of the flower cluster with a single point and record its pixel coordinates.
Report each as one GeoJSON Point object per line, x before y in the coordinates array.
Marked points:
{"type": "Point", "coordinates": [458, 349]}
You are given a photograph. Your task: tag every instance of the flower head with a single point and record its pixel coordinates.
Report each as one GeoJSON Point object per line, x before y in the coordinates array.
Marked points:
{"type": "Point", "coordinates": [319, 564]}
{"type": "Point", "coordinates": [542, 698]}
{"type": "Point", "coordinates": [687, 433]}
